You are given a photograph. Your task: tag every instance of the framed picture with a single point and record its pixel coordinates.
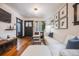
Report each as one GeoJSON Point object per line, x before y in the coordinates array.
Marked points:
{"type": "Point", "coordinates": [52, 23]}
{"type": "Point", "coordinates": [63, 11]}
{"type": "Point", "coordinates": [64, 23]}
{"type": "Point", "coordinates": [76, 14]}
{"type": "Point", "coordinates": [56, 25]}
{"type": "Point", "coordinates": [56, 16]}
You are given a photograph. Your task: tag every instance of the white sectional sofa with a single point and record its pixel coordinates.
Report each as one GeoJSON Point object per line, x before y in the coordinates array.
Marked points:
{"type": "Point", "coordinates": [59, 49]}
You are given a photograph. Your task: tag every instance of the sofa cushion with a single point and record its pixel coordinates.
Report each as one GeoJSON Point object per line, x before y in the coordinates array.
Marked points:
{"type": "Point", "coordinates": [56, 48]}
{"type": "Point", "coordinates": [73, 43]}
{"type": "Point", "coordinates": [69, 52]}
{"type": "Point", "coordinates": [50, 35]}
{"type": "Point", "coordinates": [54, 45]}
{"type": "Point", "coordinates": [3, 36]}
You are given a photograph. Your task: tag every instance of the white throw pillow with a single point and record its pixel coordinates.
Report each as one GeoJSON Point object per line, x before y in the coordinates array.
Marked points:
{"type": "Point", "coordinates": [56, 48]}
{"type": "Point", "coordinates": [3, 36]}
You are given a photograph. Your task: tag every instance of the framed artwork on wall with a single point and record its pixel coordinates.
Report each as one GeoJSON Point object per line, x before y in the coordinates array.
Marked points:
{"type": "Point", "coordinates": [56, 24]}
{"type": "Point", "coordinates": [63, 11]}
{"type": "Point", "coordinates": [76, 14]}
{"type": "Point", "coordinates": [61, 18]}
{"type": "Point", "coordinates": [52, 23]}
{"type": "Point", "coordinates": [56, 16]}
{"type": "Point", "coordinates": [63, 23]}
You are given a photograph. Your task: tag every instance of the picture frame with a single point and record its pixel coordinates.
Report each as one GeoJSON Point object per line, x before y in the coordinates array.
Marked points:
{"type": "Point", "coordinates": [56, 24]}
{"type": "Point", "coordinates": [64, 23]}
{"type": "Point", "coordinates": [76, 13]}
{"type": "Point", "coordinates": [52, 23]}
{"type": "Point", "coordinates": [63, 11]}
{"type": "Point", "coordinates": [56, 16]}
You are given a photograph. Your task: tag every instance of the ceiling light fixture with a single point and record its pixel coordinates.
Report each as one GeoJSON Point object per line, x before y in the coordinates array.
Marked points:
{"type": "Point", "coordinates": [35, 9]}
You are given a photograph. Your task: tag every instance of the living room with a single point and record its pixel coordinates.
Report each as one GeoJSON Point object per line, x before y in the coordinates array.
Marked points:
{"type": "Point", "coordinates": [53, 24]}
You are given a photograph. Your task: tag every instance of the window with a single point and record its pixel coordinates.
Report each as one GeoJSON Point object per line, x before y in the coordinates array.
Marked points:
{"type": "Point", "coordinates": [38, 26]}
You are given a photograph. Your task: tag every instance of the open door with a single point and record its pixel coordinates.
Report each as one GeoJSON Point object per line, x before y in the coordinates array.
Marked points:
{"type": "Point", "coordinates": [19, 27]}
{"type": "Point", "coordinates": [28, 25]}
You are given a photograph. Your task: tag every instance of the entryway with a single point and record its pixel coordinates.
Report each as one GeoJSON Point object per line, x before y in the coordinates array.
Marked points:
{"type": "Point", "coordinates": [19, 27]}
{"type": "Point", "coordinates": [28, 28]}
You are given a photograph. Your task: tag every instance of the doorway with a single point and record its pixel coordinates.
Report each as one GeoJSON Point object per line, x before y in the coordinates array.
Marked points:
{"type": "Point", "coordinates": [19, 27]}
{"type": "Point", "coordinates": [28, 25]}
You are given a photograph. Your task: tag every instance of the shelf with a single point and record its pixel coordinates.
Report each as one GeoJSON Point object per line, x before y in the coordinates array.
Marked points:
{"type": "Point", "coordinates": [9, 29]}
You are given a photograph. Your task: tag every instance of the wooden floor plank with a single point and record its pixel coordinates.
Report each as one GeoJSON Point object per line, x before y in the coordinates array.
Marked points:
{"type": "Point", "coordinates": [24, 43]}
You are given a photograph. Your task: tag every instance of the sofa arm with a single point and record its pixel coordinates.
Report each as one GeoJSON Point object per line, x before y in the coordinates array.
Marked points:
{"type": "Point", "coordinates": [69, 52]}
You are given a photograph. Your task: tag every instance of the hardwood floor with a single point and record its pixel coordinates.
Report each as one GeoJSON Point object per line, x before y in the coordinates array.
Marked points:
{"type": "Point", "coordinates": [23, 44]}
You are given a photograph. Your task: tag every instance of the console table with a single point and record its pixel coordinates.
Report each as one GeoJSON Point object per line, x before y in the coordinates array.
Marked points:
{"type": "Point", "coordinates": [6, 45]}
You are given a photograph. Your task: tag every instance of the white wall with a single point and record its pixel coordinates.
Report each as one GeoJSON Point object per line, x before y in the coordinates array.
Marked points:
{"type": "Point", "coordinates": [34, 19]}
{"type": "Point", "coordinates": [61, 34]}
{"type": "Point", "coordinates": [4, 25]}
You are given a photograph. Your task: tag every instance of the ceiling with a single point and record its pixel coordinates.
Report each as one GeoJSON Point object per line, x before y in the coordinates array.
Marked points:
{"type": "Point", "coordinates": [27, 9]}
